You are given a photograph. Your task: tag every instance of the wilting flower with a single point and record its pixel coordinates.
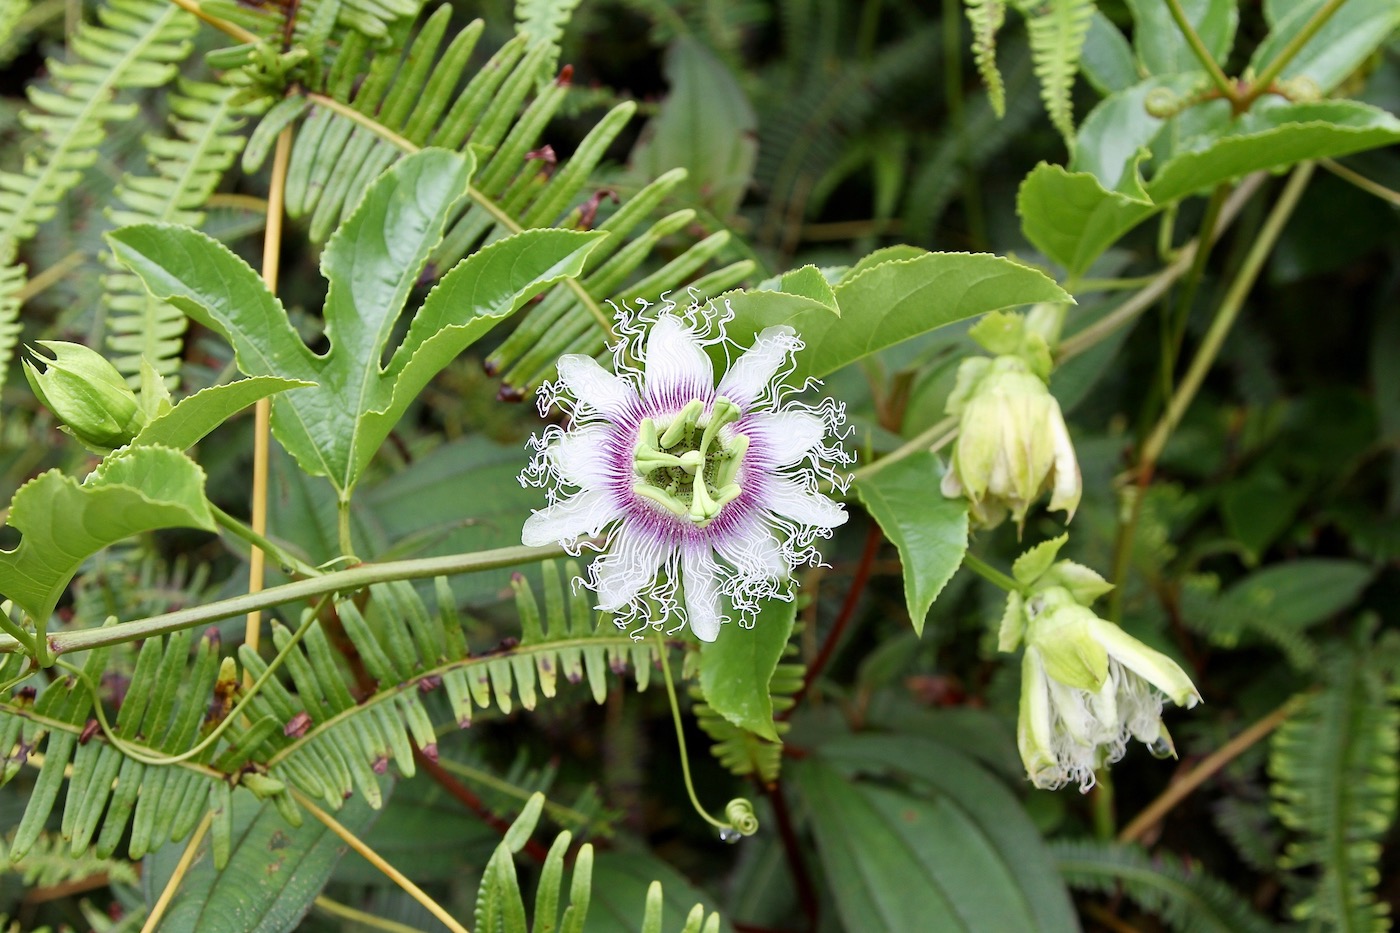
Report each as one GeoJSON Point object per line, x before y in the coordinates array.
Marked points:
{"type": "Point", "coordinates": [86, 393]}
{"type": "Point", "coordinates": [1012, 442]}
{"type": "Point", "coordinates": [1087, 686]}
{"type": "Point", "coordinates": [703, 493]}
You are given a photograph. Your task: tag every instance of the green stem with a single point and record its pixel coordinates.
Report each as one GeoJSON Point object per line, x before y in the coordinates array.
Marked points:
{"type": "Point", "coordinates": [739, 810]}
{"type": "Point", "coordinates": [1082, 340]}
{"type": "Point", "coordinates": [989, 573]}
{"type": "Point", "coordinates": [18, 633]}
{"type": "Point", "coordinates": [289, 563]}
{"type": "Point", "coordinates": [1204, 240]}
{"type": "Point", "coordinates": [931, 438]}
{"type": "Point", "coordinates": [347, 541]}
{"type": "Point", "coordinates": [1273, 69]}
{"type": "Point", "coordinates": [1225, 316]}
{"type": "Point", "coordinates": [340, 581]}
{"type": "Point", "coordinates": [1198, 48]}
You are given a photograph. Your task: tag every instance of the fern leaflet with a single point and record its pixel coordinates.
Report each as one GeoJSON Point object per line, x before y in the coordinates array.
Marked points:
{"type": "Point", "coordinates": [1057, 30]}
{"type": "Point", "coordinates": [987, 17]}
{"type": "Point", "coordinates": [1335, 777]}
{"type": "Point", "coordinates": [1185, 897]}
{"type": "Point", "coordinates": [188, 169]}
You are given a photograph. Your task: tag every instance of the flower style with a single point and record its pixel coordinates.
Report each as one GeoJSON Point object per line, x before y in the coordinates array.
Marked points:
{"type": "Point", "coordinates": [1087, 686]}
{"type": "Point", "coordinates": [702, 492]}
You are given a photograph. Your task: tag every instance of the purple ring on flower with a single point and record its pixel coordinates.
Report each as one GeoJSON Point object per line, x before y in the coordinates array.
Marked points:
{"type": "Point", "coordinates": [700, 490]}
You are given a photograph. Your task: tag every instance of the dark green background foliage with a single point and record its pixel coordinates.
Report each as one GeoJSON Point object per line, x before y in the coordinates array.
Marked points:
{"type": "Point", "coordinates": [828, 156]}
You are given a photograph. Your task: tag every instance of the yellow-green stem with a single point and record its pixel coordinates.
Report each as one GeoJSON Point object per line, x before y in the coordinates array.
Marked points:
{"type": "Point", "coordinates": [181, 869]}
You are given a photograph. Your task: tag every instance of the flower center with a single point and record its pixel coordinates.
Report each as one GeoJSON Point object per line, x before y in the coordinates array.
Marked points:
{"type": "Point", "coordinates": [683, 465]}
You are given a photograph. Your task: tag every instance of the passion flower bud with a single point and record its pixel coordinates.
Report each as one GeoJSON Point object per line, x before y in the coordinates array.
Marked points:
{"type": "Point", "coordinates": [86, 393]}
{"type": "Point", "coordinates": [1012, 442]}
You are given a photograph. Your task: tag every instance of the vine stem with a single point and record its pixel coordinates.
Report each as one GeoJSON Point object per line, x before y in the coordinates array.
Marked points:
{"type": "Point", "coordinates": [1225, 316]}
{"type": "Point", "coordinates": [482, 200]}
{"type": "Point", "coordinates": [1153, 813]}
{"type": "Point", "coordinates": [289, 563]}
{"type": "Point", "coordinates": [1290, 51]}
{"type": "Point", "coordinates": [377, 860]}
{"type": "Point", "coordinates": [680, 737]}
{"type": "Point", "coordinates": [1100, 330]}
{"type": "Point", "coordinates": [989, 573]}
{"type": "Point", "coordinates": [1198, 48]}
{"type": "Point", "coordinates": [136, 753]}
{"type": "Point", "coordinates": [340, 581]}
{"type": "Point", "coordinates": [181, 868]}
{"type": "Point", "coordinates": [262, 409]}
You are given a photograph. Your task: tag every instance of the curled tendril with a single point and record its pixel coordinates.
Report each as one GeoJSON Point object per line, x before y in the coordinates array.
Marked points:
{"type": "Point", "coordinates": [739, 813]}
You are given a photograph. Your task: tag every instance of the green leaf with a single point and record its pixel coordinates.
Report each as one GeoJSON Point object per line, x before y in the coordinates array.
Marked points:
{"type": "Point", "coordinates": [704, 125]}
{"type": "Point", "coordinates": [963, 856]}
{"type": "Point", "coordinates": [1115, 133]}
{"type": "Point", "coordinates": [1355, 30]}
{"type": "Point", "coordinates": [63, 522]}
{"type": "Point", "coordinates": [736, 667]}
{"type": "Point", "coordinates": [808, 282]}
{"type": "Point", "coordinates": [929, 529]}
{"type": "Point", "coordinates": [1071, 218]}
{"type": "Point", "coordinates": [1275, 137]}
{"type": "Point", "coordinates": [890, 302]}
{"type": "Point", "coordinates": [1293, 595]}
{"type": "Point", "coordinates": [1107, 60]}
{"type": "Point", "coordinates": [192, 418]}
{"type": "Point", "coordinates": [1163, 49]}
{"type": "Point", "coordinates": [620, 884]}
{"type": "Point", "coordinates": [273, 874]}
{"type": "Point", "coordinates": [373, 261]}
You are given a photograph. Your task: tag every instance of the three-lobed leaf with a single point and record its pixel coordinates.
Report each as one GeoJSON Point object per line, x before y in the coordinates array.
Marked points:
{"type": "Point", "coordinates": [373, 262]}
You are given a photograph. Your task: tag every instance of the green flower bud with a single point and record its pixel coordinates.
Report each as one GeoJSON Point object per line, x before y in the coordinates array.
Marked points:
{"type": "Point", "coordinates": [1012, 442]}
{"type": "Point", "coordinates": [86, 393]}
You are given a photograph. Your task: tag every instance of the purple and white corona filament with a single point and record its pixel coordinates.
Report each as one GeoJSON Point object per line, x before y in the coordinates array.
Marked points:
{"type": "Point", "coordinates": [699, 491]}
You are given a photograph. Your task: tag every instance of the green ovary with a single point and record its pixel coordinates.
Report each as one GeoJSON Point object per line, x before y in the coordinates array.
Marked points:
{"type": "Point", "coordinates": [684, 466]}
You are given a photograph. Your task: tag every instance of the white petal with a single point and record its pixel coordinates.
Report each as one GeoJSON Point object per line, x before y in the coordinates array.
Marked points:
{"type": "Point", "coordinates": [676, 367]}
{"type": "Point", "coordinates": [787, 435]}
{"type": "Point", "coordinates": [749, 376]}
{"type": "Point", "coordinates": [699, 573]}
{"type": "Point", "coordinates": [789, 499]}
{"type": "Point", "coordinates": [581, 456]}
{"type": "Point", "coordinates": [594, 386]}
{"type": "Point", "coordinates": [754, 552]}
{"type": "Point", "coordinates": [578, 516]}
{"type": "Point", "coordinates": [630, 566]}
{"type": "Point", "coordinates": [1068, 485]}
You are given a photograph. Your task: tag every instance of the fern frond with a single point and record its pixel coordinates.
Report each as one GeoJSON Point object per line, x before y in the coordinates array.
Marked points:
{"type": "Point", "coordinates": [134, 44]}
{"type": "Point", "coordinates": [987, 18]}
{"type": "Point", "coordinates": [1184, 897]}
{"type": "Point", "coordinates": [11, 282]}
{"type": "Point", "coordinates": [50, 863]}
{"type": "Point", "coordinates": [543, 21]}
{"type": "Point", "coordinates": [1057, 29]}
{"type": "Point", "coordinates": [10, 15]}
{"type": "Point", "coordinates": [314, 20]}
{"type": "Point", "coordinates": [188, 167]}
{"type": "Point", "coordinates": [331, 743]}
{"type": "Point", "coordinates": [162, 712]}
{"type": "Point", "coordinates": [740, 751]}
{"type": "Point", "coordinates": [411, 100]}
{"type": "Point", "coordinates": [1335, 777]}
